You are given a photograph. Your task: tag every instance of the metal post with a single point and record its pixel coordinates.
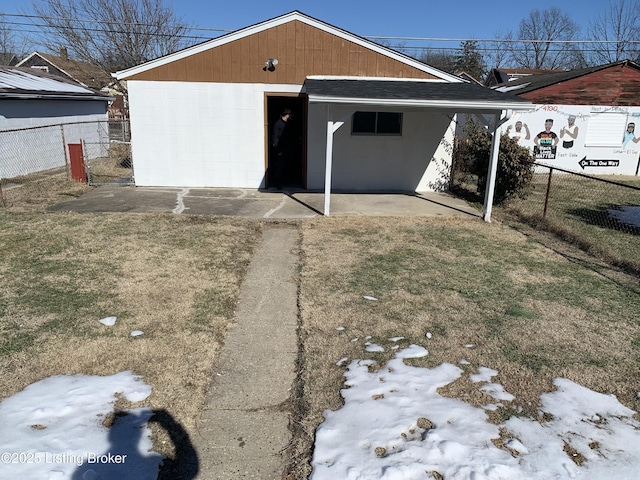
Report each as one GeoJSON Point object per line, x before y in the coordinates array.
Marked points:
{"type": "Point", "coordinates": [328, 163]}
{"type": "Point", "coordinates": [491, 174]}
{"type": "Point", "coordinates": [546, 197]}
{"type": "Point", "coordinates": [67, 164]}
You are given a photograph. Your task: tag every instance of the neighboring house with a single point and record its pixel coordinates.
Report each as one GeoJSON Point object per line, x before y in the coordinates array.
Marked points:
{"type": "Point", "coordinates": [30, 100]}
{"type": "Point", "coordinates": [86, 74]}
{"type": "Point", "coordinates": [586, 119]}
{"type": "Point", "coordinates": [364, 117]}
{"type": "Point", "coordinates": [498, 76]}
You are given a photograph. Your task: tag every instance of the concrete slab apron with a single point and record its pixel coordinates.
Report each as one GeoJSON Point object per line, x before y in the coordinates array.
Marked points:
{"type": "Point", "coordinates": [244, 430]}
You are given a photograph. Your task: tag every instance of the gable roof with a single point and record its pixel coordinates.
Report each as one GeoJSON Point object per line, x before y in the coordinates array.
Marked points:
{"type": "Point", "coordinates": [535, 82]}
{"type": "Point", "coordinates": [468, 77]}
{"type": "Point", "coordinates": [30, 84]}
{"type": "Point", "coordinates": [84, 73]}
{"type": "Point", "coordinates": [282, 20]}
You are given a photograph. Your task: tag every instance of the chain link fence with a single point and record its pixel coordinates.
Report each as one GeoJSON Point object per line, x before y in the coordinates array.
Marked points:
{"type": "Point", "coordinates": [43, 164]}
{"type": "Point", "coordinates": [601, 214]}
{"type": "Point", "coordinates": [108, 163]}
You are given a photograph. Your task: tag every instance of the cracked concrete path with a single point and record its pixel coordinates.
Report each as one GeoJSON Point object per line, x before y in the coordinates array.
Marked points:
{"type": "Point", "coordinates": [244, 430]}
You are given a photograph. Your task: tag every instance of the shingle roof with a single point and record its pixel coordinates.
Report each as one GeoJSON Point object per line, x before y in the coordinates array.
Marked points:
{"type": "Point", "coordinates": [535, 82]}
{"type": "Point", "coordinates": [87, 74]}
{"type": "Point", "coordinates": [421, 91]}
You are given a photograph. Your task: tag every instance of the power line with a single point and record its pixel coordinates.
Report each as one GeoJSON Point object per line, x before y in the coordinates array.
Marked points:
{"type": "Point", "coordinates": [204, 29]}
{"type": "Point", "coordinates": [102, 22]}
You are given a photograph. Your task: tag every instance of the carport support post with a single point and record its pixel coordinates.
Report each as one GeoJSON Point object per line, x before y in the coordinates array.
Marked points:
{"type": "Point", "coordinates": [332, 127]}
{"type": "Point", "coordinates": [328, 163]}
{"type": "Point", "coordinates": [493, 164]}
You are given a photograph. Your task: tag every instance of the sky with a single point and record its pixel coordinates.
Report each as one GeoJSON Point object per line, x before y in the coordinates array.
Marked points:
{"type": "Point", "coordinates": [394, 425]}
{"type": "Point", "coordinates": [463, 19]}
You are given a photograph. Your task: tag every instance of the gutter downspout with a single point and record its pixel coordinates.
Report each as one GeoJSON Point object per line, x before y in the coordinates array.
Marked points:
{"type": "Point", "coordinates": [493, 164]}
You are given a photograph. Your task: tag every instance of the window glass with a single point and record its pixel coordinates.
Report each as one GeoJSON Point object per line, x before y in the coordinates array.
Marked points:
{"type": "Point", "coordinates": [364, 122]}
{"type": "Point", "coordinates": [389, 123]}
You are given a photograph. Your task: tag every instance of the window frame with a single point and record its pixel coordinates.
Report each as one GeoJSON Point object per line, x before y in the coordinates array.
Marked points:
{"type": "Point", "coordinates": [376, 124]}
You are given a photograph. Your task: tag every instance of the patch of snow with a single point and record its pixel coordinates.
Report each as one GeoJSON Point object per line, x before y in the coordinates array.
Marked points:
{"type": "Point", "coordinates": [396, 339]}
{"type": "Point", "coordinates": [108, 321]}
{"type": "Point", "coordinates": [406, 429]}
{"type": "Point", "coordinates": [368, 297]}
{"type": "Point", "coordinates": [373, 347]}
{"type": "Point", "coordinates": [136, 333]}
{"type": "Point", "coordinates": [413, 351]}
{"type": "Point", "coordinates": [53, 430]}
{"type": "Point", "coordinates": [342, 361]}
{"type": "Point", "coordinates": [627, 214]}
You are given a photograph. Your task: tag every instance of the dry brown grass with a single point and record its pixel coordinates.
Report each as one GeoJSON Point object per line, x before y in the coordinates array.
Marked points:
{"type": "Point", "coordinates": [39, 191]}
{"type": "Point", "coordinates": [176, 278]}
{"type": "Point", "coordinates": [115, 167]}
{"type": "Point", "coordinates": [530, 312]}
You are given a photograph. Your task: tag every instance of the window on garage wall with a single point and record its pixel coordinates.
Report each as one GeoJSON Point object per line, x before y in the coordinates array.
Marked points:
{"type": "Point", "coordinates": [376, 123]}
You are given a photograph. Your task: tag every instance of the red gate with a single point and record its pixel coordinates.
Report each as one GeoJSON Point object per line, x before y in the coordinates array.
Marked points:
{"type": "Point", "coordinates": [77, 162]}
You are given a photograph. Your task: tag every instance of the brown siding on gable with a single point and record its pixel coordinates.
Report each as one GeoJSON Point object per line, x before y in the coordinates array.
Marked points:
{"type": "Point", "coordinates": [301, 50]}
{"type": "Point", "coordinates": [617, 86]}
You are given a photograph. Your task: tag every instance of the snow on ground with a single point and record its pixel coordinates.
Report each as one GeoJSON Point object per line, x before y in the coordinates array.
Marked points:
{"type": "Point", "coordinates": [53, 430]}
{"type": "Point", "coordinates": [64, 428]}
{"type": "Point", "coordinates": [395, 425]}
{"type": "Point", "coordinates": [629, 214]}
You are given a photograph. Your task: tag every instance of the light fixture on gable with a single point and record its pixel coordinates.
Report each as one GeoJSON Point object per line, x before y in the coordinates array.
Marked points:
{"type": "Point", "coordinates": [270, 64]}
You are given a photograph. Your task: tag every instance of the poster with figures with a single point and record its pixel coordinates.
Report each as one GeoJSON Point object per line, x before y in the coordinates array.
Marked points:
{"type": "Point", "coordinates": [589, 139]}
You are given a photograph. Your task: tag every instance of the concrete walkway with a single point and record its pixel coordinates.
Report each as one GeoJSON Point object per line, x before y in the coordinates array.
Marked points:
{"type": "Point", "coordinates": [244, 430]}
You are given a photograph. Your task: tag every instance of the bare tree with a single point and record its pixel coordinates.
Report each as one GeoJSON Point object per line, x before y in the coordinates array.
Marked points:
{"type": "Point", "coordinates": [614, 33]}
{"type": "Point", "coordinates": [11, 42]}
{"type": "Point", "coordinates": [545, 44]}
{"type": "Point", "coordinates": [439, 58]}
{"type": "Point", "coordinates": [497, 51]}
{"type": "Point", "coordinates": [114, 35]}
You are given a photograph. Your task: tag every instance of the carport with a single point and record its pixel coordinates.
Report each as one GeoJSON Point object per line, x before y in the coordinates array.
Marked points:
{"type": "Point", "coordinates": [348, 95]}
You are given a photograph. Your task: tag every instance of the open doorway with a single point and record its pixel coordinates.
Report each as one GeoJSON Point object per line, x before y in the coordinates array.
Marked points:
{"type": "Point", "coordinates": [295, 154]}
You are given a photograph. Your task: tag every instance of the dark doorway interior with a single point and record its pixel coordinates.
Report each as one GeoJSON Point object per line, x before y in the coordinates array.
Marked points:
{"type": "Point", "coordinates": [293, 172]}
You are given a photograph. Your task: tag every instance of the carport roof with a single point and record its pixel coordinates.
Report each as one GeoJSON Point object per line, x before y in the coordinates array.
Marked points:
{"type": "Point", "coordinates": [408, 92]}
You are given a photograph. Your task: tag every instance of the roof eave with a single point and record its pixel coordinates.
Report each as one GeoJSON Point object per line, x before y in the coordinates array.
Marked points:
{"type": "Point", "coordinates": [39, 96]}
{"type": "Point", "coordinates": [457, 105]}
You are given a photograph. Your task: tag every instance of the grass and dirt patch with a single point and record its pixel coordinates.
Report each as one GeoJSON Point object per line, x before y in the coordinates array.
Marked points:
{"type": "Point", "coordinates": [176, 278]}
{"type": "Point", "coordinates": [486, 293]}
